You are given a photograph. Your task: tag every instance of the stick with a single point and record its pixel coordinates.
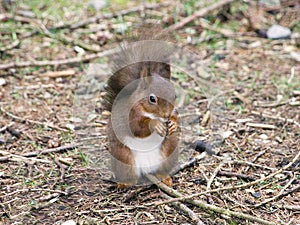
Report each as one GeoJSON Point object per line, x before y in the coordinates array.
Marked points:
{"type": "Point", "coordinates": [211, 179]}
{"type": "Point", "coordinates": [51, 150]}
{"type": "Point", "coordinates": [197, 14]}
{"type": "Point", "coordinates": [205, 206]}
{"type": "Point", "coordinates": [232, 187]}
{"type": "Point", "coordinates": [193, 216]}
{"type": "Point", "coordinates": [55, 74]}
{"type": "Point", "coordinates": [35, 189]}
{"type": "Point", "coordinates": [18, 158]}
{"type": "Point", "coordinates": [22, 120]}
{"type": "Point", "coordinates": [260, 125]}
{"type": "Point", "coordinates": [275, 117]}
{"type": "Point", "coordinates": [10, 46]}
{"type": "Point", "coordinates": [280, 194]}
{"type": "Point", "coordinates": [96, 19]}
{"type": "Point", "coordinates": [238, 175]}
{"type": "Point", "coordinates": [85, 58]}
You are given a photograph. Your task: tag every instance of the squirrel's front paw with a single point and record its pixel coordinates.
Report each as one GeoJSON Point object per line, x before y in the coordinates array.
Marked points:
{"type": "Point", "coordinates": [159, 127]}
{"type": "Point", "coordinates": [172, 127]}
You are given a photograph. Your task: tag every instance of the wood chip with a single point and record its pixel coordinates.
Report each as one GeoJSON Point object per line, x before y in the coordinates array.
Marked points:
{"type": "Point", "coordinates": [261, 125]}
{"type": "Point", "coordinates": [55, 74]}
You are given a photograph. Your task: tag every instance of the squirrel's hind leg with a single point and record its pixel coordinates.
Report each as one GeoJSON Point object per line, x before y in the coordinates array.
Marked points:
{"type": "Point", "coordinates": [123, 166]}
{"type": "Point", "coordinates": [165, 178]}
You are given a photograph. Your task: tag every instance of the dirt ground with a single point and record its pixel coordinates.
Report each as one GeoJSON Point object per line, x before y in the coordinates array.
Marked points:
{"type": "Point", "coordinates": [47, 174]}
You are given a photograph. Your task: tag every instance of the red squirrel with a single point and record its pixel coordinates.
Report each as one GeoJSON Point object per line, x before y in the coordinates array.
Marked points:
{"type": "Point", "coordinates": [143, 131]}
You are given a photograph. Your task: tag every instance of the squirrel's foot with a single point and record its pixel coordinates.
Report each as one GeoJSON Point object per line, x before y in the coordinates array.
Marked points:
{"type": "Point", "coordinates": [172, 127]}
{"type": "Point", "coordinates": [166, 179]}
{"type": "Point", "coordinates": [159, 127]}
{"type": "Point", "coordinates": [123, 185]}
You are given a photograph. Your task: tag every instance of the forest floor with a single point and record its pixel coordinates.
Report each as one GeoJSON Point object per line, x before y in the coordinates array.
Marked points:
{"type": "Point", "coordinates": [241, 95]}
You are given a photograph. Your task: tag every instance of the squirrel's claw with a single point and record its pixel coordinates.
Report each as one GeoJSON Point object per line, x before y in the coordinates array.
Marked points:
{"type": "Point", "coordinates": [172, 127]}
{"type": "Point", "coordinates": [161, 129]}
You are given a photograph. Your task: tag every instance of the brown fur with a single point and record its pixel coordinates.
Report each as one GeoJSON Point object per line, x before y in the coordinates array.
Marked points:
{"type": "Point", "coordinates": [136, 97]}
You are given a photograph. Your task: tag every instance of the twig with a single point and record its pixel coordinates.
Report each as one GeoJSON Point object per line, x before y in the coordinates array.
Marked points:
{"type": "Point", "coordinates": [190, 163]}
{"type": "Point", "coordinates": [10, 46]}
{"type": "Point", "coordinates": [260, 125]}
{"type": "Point", "coordinates": [232, 174]}
{"type": "Point", "coordinates": [211, 179]}
{"type": "Point", "coordinates": [18, 158]}
{"type": "Point", "coordinates": [251, 164]}
{"type": "Point", "coordinates": [232, 187]}
{"type": "Point", "coordinates": [34, 189]}
{"type": "Point", "coordinates": [85, 58]}
{"type": "Point", "coordinates": [289, 207]}
{"type": "Point", "coordinates": [51, 150]}
{"type": "Point", "coordinates": [193, 216]}
{"type": "Point", "coordinates": [67, 40]}
{"type": "Point", "coordinates": [22, 120]}
{"type": "Point", "coordinates": [271, 105]}
{"type": "Point", "coordinates": [55, 74]}
{"type": "Point", "coordinates": [96, 19]}
{"type": "Point", "coordinates": [197, 14]}
{"type": "Point", "coordinates": [280, 194]}
{"type": "Point", "coordinates": [255, 158]}
{"type": "Point", "coordinates": [205, 206]}
{"type": "Point", "coordinates": [275, 117]}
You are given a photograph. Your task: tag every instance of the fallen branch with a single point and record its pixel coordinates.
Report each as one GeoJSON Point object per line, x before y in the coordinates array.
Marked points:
{"type": "Point", "coordinates": [193, 216]}
{"type": "Point", "coordinates": [55, 74]}
{"type": "Point", "coordinates": [22, 120]}
{"type": "Point", "coordinates": [280, 194]}
{"type": "Point", "coordinates": [211, 179]}
{"type": "Point", "coordinates": [85, 58]}
{"type": "Point", "coordinates": [96, 19]}
{"type": "Point", "coordinates": [51, 150]}
{"type": "Point", "coordinates": [275, 117]}
{"type": "Point", "coordinates": [67, 40]}
{"type": "Point", "coordinates": [202, 12]}
{"type": "Point", "coordinates": [232, 187]}
{"type": "Point", "coordinates": [34, 189]}
{"type": "Point", "coordinates": [206, 206]}
{"type": "Point", "coordinates": [10, 46]}
{"type": "Point", "coordinates": [18, 158]}
{"type": "Point", "coordinates": [238, 175]}
{"type": "Point", "coordinates": [260, 125]}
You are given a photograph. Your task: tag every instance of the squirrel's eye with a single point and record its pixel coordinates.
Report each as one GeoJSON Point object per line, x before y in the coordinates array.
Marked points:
{"type": "Point", "coordinates": [152, 99]}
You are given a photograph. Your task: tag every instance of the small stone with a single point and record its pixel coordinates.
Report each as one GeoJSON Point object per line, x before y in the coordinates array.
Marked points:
{"type": "Point", "coordinates": [47, 95]}
{"type": "Point", "coordinates": [97, 4]}
{"type": "Point", "coordinates": [296, 56]}
{"type": "Point", "coordinates": [70, 126]}
{"type": "Point", "coordinates": [270, 3]}
{"type": "Point", "coordinates": [203, 73]}
{"type": "Point", "coordinates": [256, 194]}
{"type": "Point", "coordinates": [106, 113]}
{"type": "Point", "coordinates": [2, 81]}
{"type": "Point", "coordinates": [264, 137]}
{"type": "Point", "coordinates": [69, 222]}
{"type": "Point", "coordinates": [278, 32]}
{"type": "Point", "coordinates": [244, 120]}
{"type": "Point", "coordinates": [227, 134]}
{"type": "Point", "coordinates": [255, 44]}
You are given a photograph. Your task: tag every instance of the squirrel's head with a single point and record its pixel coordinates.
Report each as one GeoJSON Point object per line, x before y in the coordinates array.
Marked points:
{"type": "Point", "coordinates": [156, 94]}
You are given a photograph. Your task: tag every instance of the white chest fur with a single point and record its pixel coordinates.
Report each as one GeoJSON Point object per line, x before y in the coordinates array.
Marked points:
{"type": "Point", "coordinates": [146, 152]}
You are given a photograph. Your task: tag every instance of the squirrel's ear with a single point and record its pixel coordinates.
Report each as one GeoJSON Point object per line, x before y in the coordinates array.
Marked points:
{"type": "Point", "coordinates": [145, 78]}
{"type": "Point", "coordinates": [162, 69]}
{"type": "Point", "coordinates": [144, 72]}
